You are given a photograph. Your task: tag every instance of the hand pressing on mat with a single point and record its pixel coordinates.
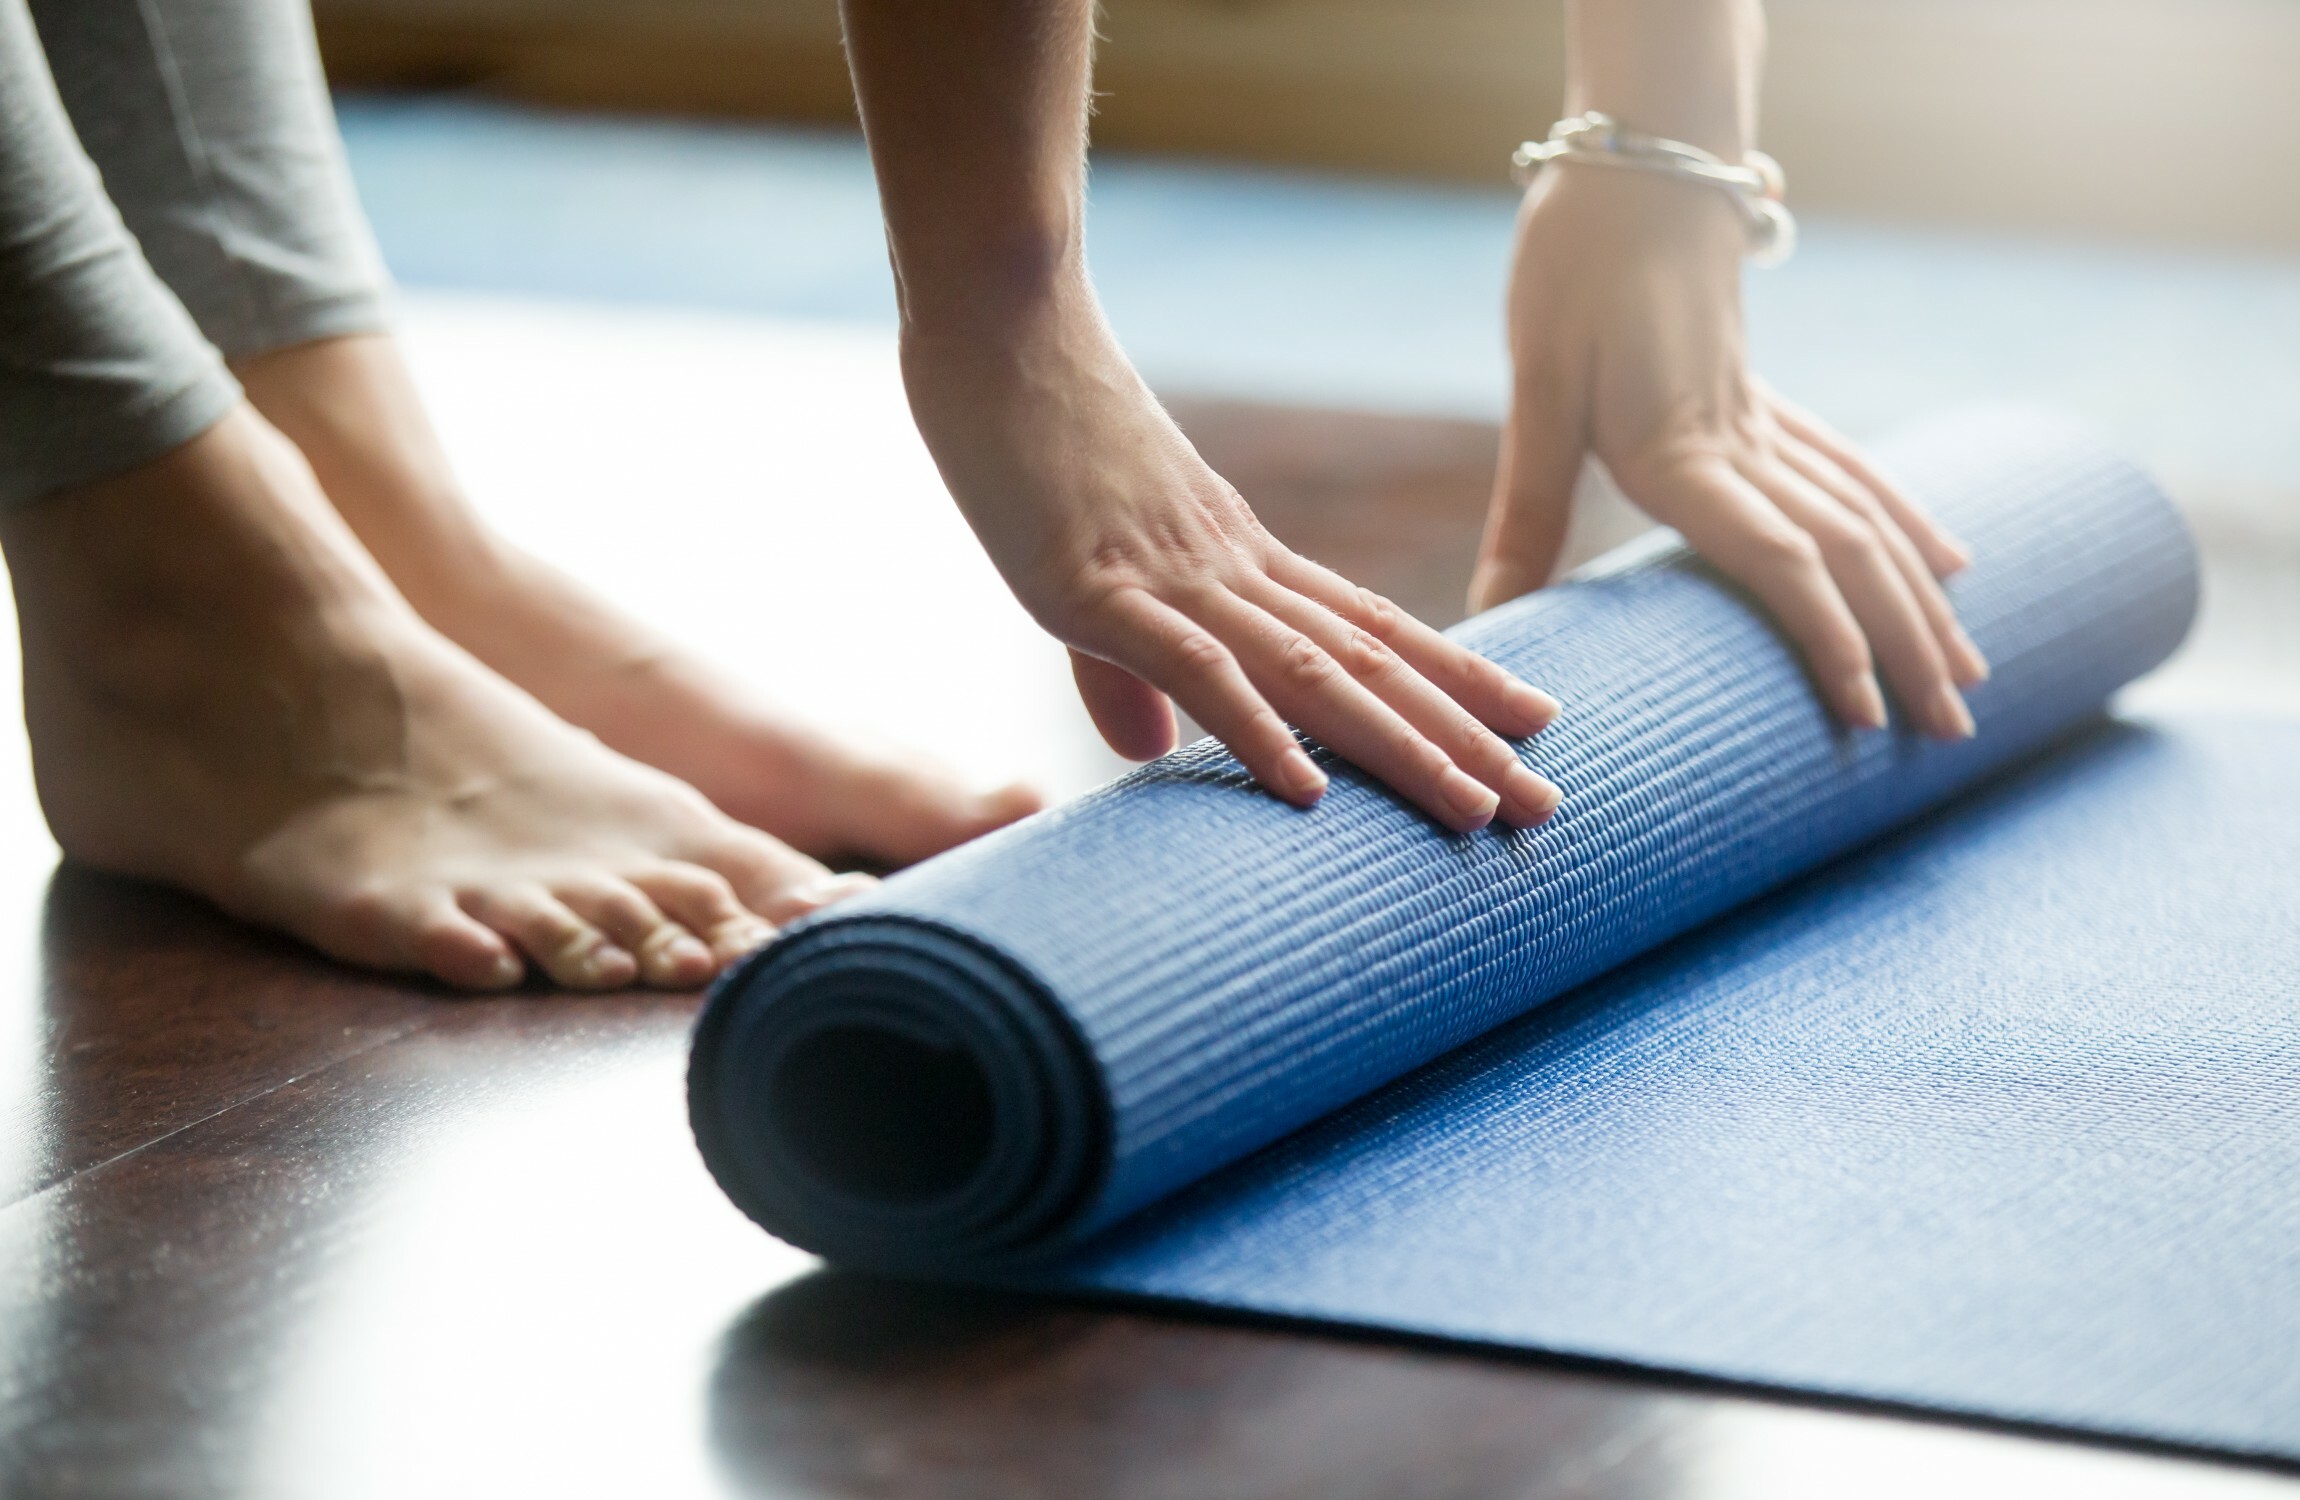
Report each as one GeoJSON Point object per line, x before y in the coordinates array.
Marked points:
{"type": "Point", "coordinates": [1626, 335]}
{"type": "Point", "coordinates": [1109, 527]}
{"type": "Point", "coordinates": [1125, 545]}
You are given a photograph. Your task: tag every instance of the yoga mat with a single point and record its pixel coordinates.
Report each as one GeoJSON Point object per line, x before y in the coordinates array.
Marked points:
{"type": "Point", "coordinates": [1991, 1119]}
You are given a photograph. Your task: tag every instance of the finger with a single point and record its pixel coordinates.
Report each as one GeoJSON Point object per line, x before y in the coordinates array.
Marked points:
{"type": "Point", "coordinates": [1525, 799]}
{"type": "Point", "coordinates": [705, 904]}
{"type": "Point", "coordinates": [1541, 448]}
{"type": "Point", "coordinates": [567, 948]}
{"type": "Point", "coordinates": [1311, 688]}
{"type": "Point", "coordinates": [1941, 550]}
{"type": "Point", "coordinates": [1966, 664]}
{"type": "Point", "coordinates": [1862, 565]}
{"type": "Point", "coordinates": [670, 957]}
{"type": "Point", "coordinates": [1163, 646]}
{"type": "Point", "coordinates": [1136, 719]}
{"type": "Point", "coordinates": [1730, 522]}
{"type": "Point", "coordinates": [1502, 701]}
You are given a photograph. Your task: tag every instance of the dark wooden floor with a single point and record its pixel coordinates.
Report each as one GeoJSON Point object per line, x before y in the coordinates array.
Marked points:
{"type": "Point", "coordinates": [272, 1228]}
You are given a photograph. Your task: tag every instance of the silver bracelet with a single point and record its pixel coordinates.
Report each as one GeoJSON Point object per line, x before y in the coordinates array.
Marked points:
{"type": "Point", "coordinates": [1756, 186]}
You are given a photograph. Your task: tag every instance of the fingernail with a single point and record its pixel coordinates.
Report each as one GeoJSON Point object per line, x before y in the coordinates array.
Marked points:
{"type": "Point", "coordinates": [1975, 666]}
{"type": "Point", "coordinates": [1528, 705]}
{"type": "Point", "coordinates": [1868, 702]}
{"type": "Point", "coordinates": [1535, 796]}
{"type": "Point", "coordinates": [1960, 557]}
{"type": "Point", "coordinates": [1471, 800]}
{"type": "Point", "coordinates": [1304, 780]}
{"type": "Point", "coordinates": [1950, 711]}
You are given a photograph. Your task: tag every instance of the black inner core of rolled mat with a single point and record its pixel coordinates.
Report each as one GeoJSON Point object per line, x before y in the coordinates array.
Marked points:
{"type": "Point", "coordinates": [883, 1115]}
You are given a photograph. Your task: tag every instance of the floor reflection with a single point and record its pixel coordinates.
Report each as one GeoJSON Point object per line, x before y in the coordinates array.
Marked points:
{"type": "Point", "coordinates": [842, 1384]}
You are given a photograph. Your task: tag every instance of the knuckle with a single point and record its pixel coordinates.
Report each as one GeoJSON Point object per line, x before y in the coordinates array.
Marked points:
{"type": "Point", "coordinates": [1267, 732]}
{"type": "Point", "coordinates": [1429, 760]}
{"type": "Point", "coordinates": [1099, 585]}
{"type": "Point", "coordinates": [1364, 655]}
{"type": "Point", "coordinates": [1303, 663]}
{"type": "Point", "coordinates": [1378, 614]}
{"type": "Point", "coordinates": [1851, 543]}
{"type": "Point", "coordinates": [1198, 653]}
{"type": "Point", "coordinates": [1785, 549]}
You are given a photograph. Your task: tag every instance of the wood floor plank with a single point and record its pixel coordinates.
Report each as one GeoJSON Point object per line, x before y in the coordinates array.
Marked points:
{"type": "Point", "coordinates": [158, 1012]}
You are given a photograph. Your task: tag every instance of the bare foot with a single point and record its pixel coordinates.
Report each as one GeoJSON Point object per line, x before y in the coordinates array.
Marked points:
{"type": "Point", "coordinates": [349, 404]}
{"type": "Point", "coordinates": [224, 693]}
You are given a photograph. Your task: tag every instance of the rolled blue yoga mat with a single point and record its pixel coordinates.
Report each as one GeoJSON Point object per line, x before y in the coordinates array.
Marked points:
{"type": "Point", "coordinates": [2000, 1116]}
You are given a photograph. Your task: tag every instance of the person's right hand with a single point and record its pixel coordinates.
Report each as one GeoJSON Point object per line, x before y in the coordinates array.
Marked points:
{"type": "Point", "coordinates": [1625, 325]}
{"type": "Point", "coordinates": [1123, 544]}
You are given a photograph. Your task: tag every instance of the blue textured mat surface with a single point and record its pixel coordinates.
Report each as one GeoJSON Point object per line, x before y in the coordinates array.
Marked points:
{"type": "Point", "coordinates": [1998, 1117]}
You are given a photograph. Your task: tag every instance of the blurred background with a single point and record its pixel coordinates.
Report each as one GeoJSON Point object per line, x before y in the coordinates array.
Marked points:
{"type": "Point", "coordinates": [2089, 202]}
{"type": "Point", "coordinates": [2163, 121]}
{"type": "Point", "coordinates": [640, 241]}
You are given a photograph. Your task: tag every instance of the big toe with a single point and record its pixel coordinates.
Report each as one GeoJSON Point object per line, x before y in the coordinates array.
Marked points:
{"type": "Point", "coordinates": [914, 814]}
{"type": "Point", "coordinates": [404, 927]}
{"type": "Point", "coordinates": [772, 880]}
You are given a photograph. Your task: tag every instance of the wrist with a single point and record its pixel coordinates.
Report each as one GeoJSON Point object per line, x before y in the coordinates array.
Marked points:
{"type": "Point", "coordinates": [1008, 335]}
{"type": "Point", "coordinates": [1684, 69]}
{"type": "Point", "coordinates": [1623, 217]}
{"type": "Point", "coordinates": [962, 284]}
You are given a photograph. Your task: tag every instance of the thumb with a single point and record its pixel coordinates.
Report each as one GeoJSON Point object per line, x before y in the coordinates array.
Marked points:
{"type": "Point", "coordinates": [1541, 450]}
{"type": "Point", "coordinates": [1135, 718]}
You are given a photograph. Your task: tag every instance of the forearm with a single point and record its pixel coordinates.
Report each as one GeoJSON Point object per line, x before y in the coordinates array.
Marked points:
{"type": "Point", "coordinates": [975, 111]}
{"type": "Point", "coordinates": [1686, 69]}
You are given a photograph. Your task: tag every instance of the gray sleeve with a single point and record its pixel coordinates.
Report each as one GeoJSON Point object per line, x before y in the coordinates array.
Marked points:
{"type": "Point", "coordinates": [100, 368]}
{"type": "Point", "coordinates": [210, 122]}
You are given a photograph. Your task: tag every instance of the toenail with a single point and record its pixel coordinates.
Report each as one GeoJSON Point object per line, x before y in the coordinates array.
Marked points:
{"type": "Point", "coordinates": [833, 888]}
{"type": "Point", "coordinates": [606, 963]}
{"type": "Point", "coordinates": [740, 937]}
{"type": "Point", "coordinates": [686, 953]}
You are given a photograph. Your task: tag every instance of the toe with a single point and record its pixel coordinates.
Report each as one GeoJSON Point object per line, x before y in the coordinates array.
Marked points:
{"type": "Point", "coordinates": [910, 813]}
{"type": "Point", "coordinates": [707, 905]}
{"type": "Point", "coordinates": [774, 880]}
{"type": "Point", "coordinates": [449, 943]}
{"type": "Point", "coordinates": [572, 951]}
{"type": "Point", "coordinates": [389, 926]}
{"type": "Point", "coordinates": [669, 956]}
{"type": "Point", "coordinates": [818, 894]}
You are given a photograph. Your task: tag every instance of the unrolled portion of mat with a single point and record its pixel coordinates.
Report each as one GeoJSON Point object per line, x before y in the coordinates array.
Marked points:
{"type": "Point", "coordinates": [2001, 1117]}
{"type": "Point", "coordinates": [1021, 1043]}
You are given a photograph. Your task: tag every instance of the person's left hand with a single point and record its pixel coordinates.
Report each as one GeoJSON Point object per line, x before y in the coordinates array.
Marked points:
{"type": "Point", "coordinates": [1625, 326]}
